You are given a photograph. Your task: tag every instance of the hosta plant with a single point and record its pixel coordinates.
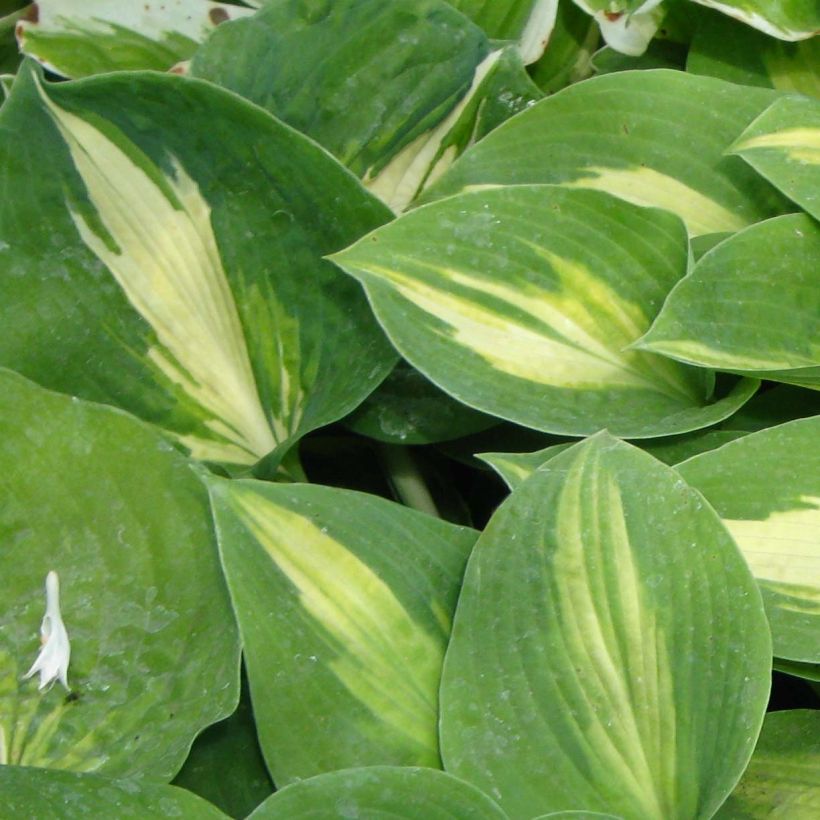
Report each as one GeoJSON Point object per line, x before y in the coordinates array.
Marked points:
{"type": "Point", "coordinates": [410, 409]}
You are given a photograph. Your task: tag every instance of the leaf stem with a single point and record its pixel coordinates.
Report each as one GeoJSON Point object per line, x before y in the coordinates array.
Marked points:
{"type": "Point", "coordinates": [406, 479]}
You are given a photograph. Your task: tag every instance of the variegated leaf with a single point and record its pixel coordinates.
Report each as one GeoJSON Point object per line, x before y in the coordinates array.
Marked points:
{"type": "Point", "coordinates": [783, 777]}
{"type": "Point", "coordinates": [344, 603]}
{"type": "Point", "coordinates": [639, 136]}
{"type": "Point", "coordinates": [395, 90]}
{"type": "Point", "coordinates": [515, 468]}
{"type": "Point", "coordinates": [76, 38]}
{"type": "Point", "coordinates": [605, 621]}
{"type": "Point", "coordinates": [751, 305]}
{"type": "Point", "coordinates": [528, 22]}
{"type": "Point", "coordinates": [522, 302]}
{"type": "Point", "coordinates": [567, 58]}
{"type": "Point", "coordinates": [766, 488]}
{"type": "Point", "coordinates": [785, 19]}
{"type": "Point", "coordinates": [783, 144]}
{"type": "Point", "coordinates": [396, 792]}
{"type": "Point", "coordinates": [182, 280]}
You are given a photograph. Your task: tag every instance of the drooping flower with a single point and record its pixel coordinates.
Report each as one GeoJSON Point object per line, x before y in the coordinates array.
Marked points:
{"type": "Point", "coordinates": [52, 662]}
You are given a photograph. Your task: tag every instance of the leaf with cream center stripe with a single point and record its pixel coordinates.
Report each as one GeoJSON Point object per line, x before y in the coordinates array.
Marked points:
{"type": "Point", "coordinates": [521, 301]}
{"type": "Point", "coordinates": [751, 305]}
{"type": "Point", "coordinates": [605, 622]}
{"type": "Point", "coordinates": [344, 602]}
{"type": "Point", "coordinates": [783, 144]}
{"type": "Point", "coordinates": [639, 135]}
{"type": "Point", "coordinates": [180, 280]}
{"type": "Point", "coordinates": [766, 488]}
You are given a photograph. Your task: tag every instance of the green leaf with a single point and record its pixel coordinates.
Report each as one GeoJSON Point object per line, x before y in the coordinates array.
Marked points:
{"type": "Point", "coordinates": [751, 305]}
{"type": "Point", "coordinates": [225, 765]}
{"type": "Point", "coordinates": [783, 778]}
{"type": "Point", "coordinates": [395, 90]}
{"type": "Point", "coordinates": [784, 19]}
{"type": "Point", "coordinates": [807, 671]}
{"type": "Point", "coordinates": [529, 22]}
{"type": "Point", "coordinates": [731, 51]}
{"type": "Point", "coordinates": [41, 794]}
{"type": "Point", "coordinates": [123, 519]}
{"type": "Point", "coordinates": [515, 468]}
{"type": "Point", "coordinates": [567, 57]}
{"type": "Point", "coordinates": [605, 622]}
{"type": "Point", "coordinates": [406, 408]}
{"type": "Point", "coordinates": [380, 791]}
{"type": "Point", "coordinates": [344, 603]}
{"type": "Point", "coordinates": [179, 276]}
{"type": "Point", "coordinates": [521, 300]}
{"type": "Point", "coordinates": [766, 488]}
{"type": "Point", "coordinates": [76, 38]}
{"type": "Point", "coordinates": [638, 135]}
{"type": "Point", "coordinates": [783, 144]}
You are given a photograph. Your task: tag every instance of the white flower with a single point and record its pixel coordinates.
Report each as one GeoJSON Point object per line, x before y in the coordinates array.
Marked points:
{"type": "Point", "coordinates": [52, 662]}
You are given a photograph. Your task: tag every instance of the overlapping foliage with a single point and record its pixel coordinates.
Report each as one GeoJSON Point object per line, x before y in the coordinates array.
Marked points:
{"type": "Point", "coordinates": [273, 274]}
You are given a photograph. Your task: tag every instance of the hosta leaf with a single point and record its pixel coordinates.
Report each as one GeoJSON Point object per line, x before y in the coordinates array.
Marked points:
{"type": "Point", "coordinates": [395, 90]}
{"type": "Point", "coordinates": [406, 408]}
{"type": "Point", "coordinates": [225, 765]}
{"type": "Point", "coordinates": [181, 278]}
{"type": "Point", "coordinates": [76, 38]}
{"type": "Point", "coordinates": [807, 671]}
{"type": "Point", "coordinates": [521, 300]}
{"type": "Point", "coordinates": [567, 56]}
{"type": "Point", "coordinates": [102, 500]}
{"type": "Point", "coordinates": [344, 604]}
{"type": "Point", "coordinates": [515, 468]}
{"type": "Point", "coordinates": [783, 778]}
{"type": "Point", "coordinates": [784, 19]}
{"type": "Point", "coordinates": [53, 795]}
{"type": "Point", "coordinates": [529, 22]}
{"type": "Point", "coordinates": [732, 51]}
{"type": "Point", "coordinates": [610, 651]}
{"type": "Point", "coordinates": [638, 135]}
{"type": "Point", "coordinates": [750, 305]}
{"type": "Point", "coordinates": [766, 488]}
{"type": "Point", "coordinates": [401, 793]}
{"type": "Point", "coordinates": [783, 144]}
